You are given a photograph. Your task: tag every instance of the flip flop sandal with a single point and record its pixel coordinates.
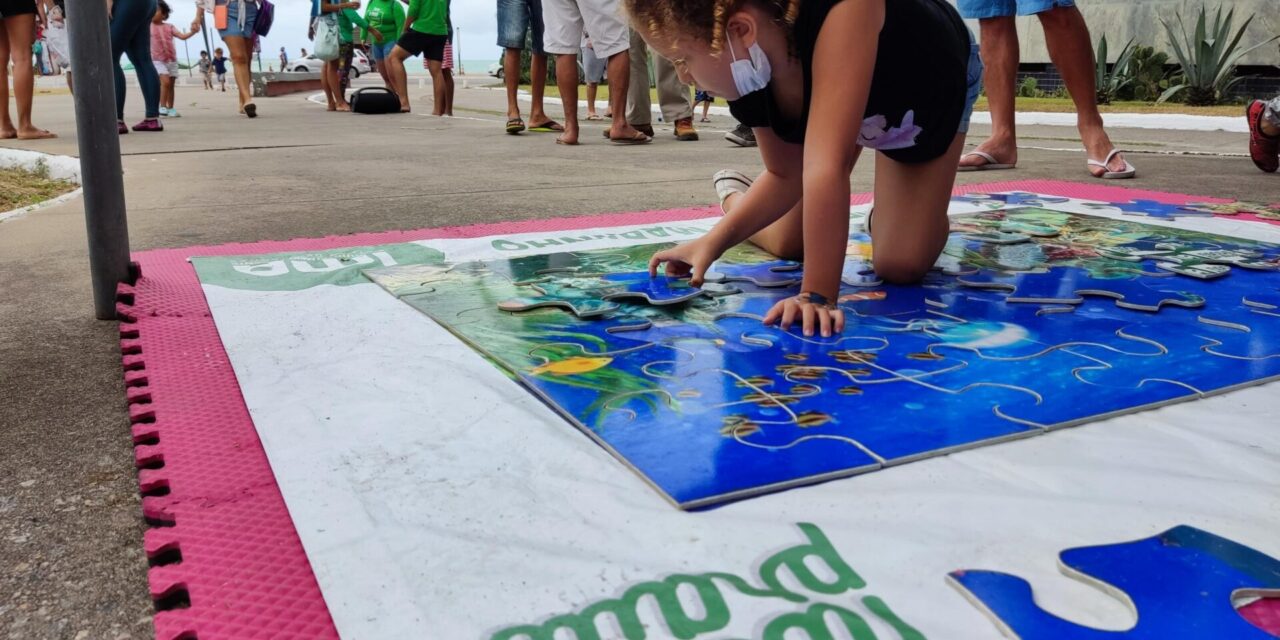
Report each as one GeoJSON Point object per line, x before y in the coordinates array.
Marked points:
{"type": "Point", "coordinates": [251, 110]}
{"type": "Point", "coordinates": [595, 117]}
{"type": "Point", "coordinates": [515, 125]}
{"type": "Point", "coordinates": [989, 162]}
{"type": "Point", "coordinates": [638, 138]}
{"type": "Point", "coordinates": [1128, 172]}
{"type": "Point", "coordinates": [550, 126]}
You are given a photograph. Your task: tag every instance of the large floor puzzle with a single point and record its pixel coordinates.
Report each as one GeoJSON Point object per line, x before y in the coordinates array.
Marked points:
{"type": "Point", "coordinates": [1032, 308]}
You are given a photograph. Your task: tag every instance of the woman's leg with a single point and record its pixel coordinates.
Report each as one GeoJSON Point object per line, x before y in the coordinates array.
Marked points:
{"type": "Point", "coordinates": [386, 76]}
{"type": "Point", "coordinates": [327, 72]}
{"type": "Point", "coordinates": [910, 226]}
{"type": "Point", "coordinates": [137, 47]}
{"type": "Point", "coordinates": [240, 50]}
{"type": "Point", "coordinates": [346, 53]}
{"type": "Point", "coordinates": [20, 32]}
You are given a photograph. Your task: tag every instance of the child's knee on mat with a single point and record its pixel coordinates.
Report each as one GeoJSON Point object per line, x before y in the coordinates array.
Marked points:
{"type": "Point", "coordinates": [899, 268]}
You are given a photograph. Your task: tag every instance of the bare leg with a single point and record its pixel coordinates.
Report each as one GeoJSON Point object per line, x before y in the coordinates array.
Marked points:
{"type": "Point", "coordinates": [386, 77]}
{"type": "Point", "coordinates": [567, 80]}
{"type": "Point", "coordinates": [7, 130]}
{"type": "Point", "coordinates": [1000, 57]}
{"type": "Point", "coordinates": [511, 77]}
{"type": "Point", "coordinates": [1067, 37]}
{"type": "Point", "coordinates": [910, 224]}
{"type": "Point", "coordinates": [448, 91]}
{"type": "Point", "coordinates": [398, 75]}
{"type": "Point", "coordinates": [166, 91]}
{"type": "Point", "coordinates": [619, 67]}
{"type": "Point", "coordinates": [538, 78]}
{"type": "Point", "coordinates": [592, 89]}
{"type": "Point", "coordinates": [327, 85]}
{"type": "Point", "coordinates": [241, 50]}
{"type": "Point", "coordinates": [437, 87]}
{"type": "Point", "coordinates": [20, 34]}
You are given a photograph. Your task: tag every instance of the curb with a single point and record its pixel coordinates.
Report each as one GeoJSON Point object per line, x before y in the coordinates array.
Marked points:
{"type": "Point", "coordinates": [60, 168]}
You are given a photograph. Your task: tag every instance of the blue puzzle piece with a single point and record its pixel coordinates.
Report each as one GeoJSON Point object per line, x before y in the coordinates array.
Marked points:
{"type": "Point", "coordinates": [1180, 582]}
{"type": "Point", "coordinates": [640, 286]}
{"type": "Point", "coordinates": [1010, 198]}
{"type": "Point", "coordinates": [778, 273]}
{"type": "Point", "coordinates": [1059, 285]}
{"type": "Point", "coordinates": [1154, 209]}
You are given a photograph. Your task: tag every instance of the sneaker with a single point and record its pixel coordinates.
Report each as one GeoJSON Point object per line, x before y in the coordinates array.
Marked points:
{"type": "Point", "coordinates": [150, 124]}
{"type": "Point", "coordinates": [1264, 149]}
{"type": "Point", "coordinates": [742, 136]}
{"type": "Point", "coordinates": [728, 182]}
{"type": "Point", "coordinates": [173, 113]}
{"type": "Point", "coordinates": [685, 131]}
{"type": "Point", "coordinates": [121, 127]}
{"type": "Point", "coordinates": [164, 113]}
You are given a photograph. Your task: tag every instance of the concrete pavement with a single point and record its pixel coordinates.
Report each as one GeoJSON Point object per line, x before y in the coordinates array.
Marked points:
{"type": "Point", "coordinates": [70, 520]}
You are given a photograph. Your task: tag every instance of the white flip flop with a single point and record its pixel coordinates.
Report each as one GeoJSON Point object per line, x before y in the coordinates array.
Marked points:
{"type": "Point", "coordinates": [991, 163]}
{"type": "Point", "coordinates": [728, 182]}
{"type": "Point", "coordinates": [1107, 174]}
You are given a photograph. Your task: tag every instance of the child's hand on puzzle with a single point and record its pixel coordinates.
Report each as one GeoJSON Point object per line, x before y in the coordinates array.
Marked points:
{"type": "Point", "coordinates": [815, 312]}
{"type": "Point", "coordinates": [688, 259]}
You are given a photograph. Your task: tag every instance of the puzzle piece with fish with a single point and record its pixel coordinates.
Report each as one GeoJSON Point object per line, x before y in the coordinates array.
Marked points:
{"type": "Point", "coordinates": [1181, 583]}
{"type": "Point", "coordinates": [1152, 209]}
{"type": "Point", "coordinates": [1068, 285]}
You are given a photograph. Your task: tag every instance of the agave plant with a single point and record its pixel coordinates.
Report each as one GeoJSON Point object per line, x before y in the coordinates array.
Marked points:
{"type": "Point", "coordinates": [1208, 56]}
{"type": "Point", "coordinates": [1150, 78]}
{"type": "Point", "coordinates": [1110, 82]}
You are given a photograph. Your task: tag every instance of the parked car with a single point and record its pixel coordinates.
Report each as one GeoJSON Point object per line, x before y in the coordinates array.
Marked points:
{"type": "Point", "coordinates": [311, 64]}
{"type": "Point", "coordinates": [495, 70]}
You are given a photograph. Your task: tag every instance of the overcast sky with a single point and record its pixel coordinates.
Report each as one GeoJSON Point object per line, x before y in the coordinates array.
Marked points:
{"type": "Point", "coordinates": [476, 19]}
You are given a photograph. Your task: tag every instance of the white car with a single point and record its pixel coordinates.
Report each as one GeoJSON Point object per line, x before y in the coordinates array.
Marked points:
{"type": "Point", "coordinates": [496, 70]}
{"type": "Point", "coordinates": [311, 64]}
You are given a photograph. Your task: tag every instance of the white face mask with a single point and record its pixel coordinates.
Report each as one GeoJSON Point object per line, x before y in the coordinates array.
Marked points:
{"type": "Point", "coordinates": [751, 75]}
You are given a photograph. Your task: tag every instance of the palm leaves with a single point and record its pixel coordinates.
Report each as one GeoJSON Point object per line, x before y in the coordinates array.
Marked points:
{"type": "Point", "coordinates": [1109, 83]}
{"type": "Point", "coordinates": [1208, 56]}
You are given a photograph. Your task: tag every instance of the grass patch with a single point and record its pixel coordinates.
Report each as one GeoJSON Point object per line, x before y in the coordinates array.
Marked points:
{"type": "Point", "coordinates": [1065, 105]}
{"type": "Point", "coordinates": [21, 187]}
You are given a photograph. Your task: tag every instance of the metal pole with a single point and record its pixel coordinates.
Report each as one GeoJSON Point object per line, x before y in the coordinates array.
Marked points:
{"type": "Point", "coordinates": [100, 172]}
{"type": "Point", "coordinates": [462, 69]}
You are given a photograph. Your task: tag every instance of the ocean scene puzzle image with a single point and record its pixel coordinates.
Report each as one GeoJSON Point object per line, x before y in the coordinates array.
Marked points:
{"type": "Point", "coordinates": [1029, 310]}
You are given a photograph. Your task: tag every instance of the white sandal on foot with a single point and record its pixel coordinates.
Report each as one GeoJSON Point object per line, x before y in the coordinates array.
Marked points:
{"type": "Point", "coordinates": [1128, 172]}
{"type": "Point", "coordinates": [989, 162]}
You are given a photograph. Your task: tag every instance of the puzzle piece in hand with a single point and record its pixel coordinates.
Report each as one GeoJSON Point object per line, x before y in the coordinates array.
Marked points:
{"type": "Point", "coordinates": [782, 273]}
{"type": "Point", "coordinates": [1153, 209]}
{"type": "Point", "coordinates": [1010, 199]}
{"type": "Point", "coordinates": [1066, 285]}
{"type": "Point", "coordinates": [1181, 583]}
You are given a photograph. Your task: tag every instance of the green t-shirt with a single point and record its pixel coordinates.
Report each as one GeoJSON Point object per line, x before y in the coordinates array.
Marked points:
{"type": "Point", "coordinates": [387, 16]}
{"type": "Point", "coordinates": [346, 18]}
{"type": "Point", "coordinates": [429, 16]}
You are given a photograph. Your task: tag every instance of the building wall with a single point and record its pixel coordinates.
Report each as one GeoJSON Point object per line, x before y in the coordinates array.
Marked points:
{"type": "Point", "coordinates": [1140, 20]}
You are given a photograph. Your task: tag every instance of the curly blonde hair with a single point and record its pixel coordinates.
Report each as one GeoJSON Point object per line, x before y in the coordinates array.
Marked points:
{"type": "Point", "coordinates": [702, 20]}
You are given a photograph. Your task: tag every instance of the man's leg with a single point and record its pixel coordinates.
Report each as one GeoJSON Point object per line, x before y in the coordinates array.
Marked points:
{"type": "Point", "coordinates": [448, 91]}
{"type": "Point", "coordinates": [567, 80]}
{"type": "Point", "coordinates": [511, 77]}
{"type": "Point", "coordinates": [675, 99]}
{"type": "Point", "coordinates": [398, 76]}
{"type": "Point", "coordinates": [1067, 37]}
{"type": "Point", "coordinates": [1000, 57]}
{"type": "Point", "coordinates": [639, 105]}
{"type": "Point", "coordinates": [592, 89]}
{"type": "Point", "coordinates": [437, 87]}
{"type": "Point", "coordinates": [538, 86]}
{"type": "Point", "coordinates": [1264, 133]}
{"type": "Point", "coordinates": [619, 77]}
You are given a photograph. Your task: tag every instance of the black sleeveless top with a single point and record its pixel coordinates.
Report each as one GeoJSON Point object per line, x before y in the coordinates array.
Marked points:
{"type": "Point", "coordinates": [918, 88]}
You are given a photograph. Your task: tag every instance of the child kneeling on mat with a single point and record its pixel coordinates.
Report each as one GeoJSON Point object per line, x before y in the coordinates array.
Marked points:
{"type": "Point", "coordinates": [819, 80]}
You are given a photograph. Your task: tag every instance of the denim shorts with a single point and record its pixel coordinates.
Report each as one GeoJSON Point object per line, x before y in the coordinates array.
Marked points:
{"type": "Point", "coordinates": [974, 87]}
{"type": "Point", "coordinates": [515, 19]}
{"type": "Point", "coordinates": [978, 9]}
{"type": "Point", "coordinates": [379, 52]}
{"type": "Point", "coordinates": [233, 29]}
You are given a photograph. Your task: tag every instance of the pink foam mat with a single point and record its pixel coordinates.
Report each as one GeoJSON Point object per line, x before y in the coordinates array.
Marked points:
{"type": "Point", "coordinates": [226, 559]}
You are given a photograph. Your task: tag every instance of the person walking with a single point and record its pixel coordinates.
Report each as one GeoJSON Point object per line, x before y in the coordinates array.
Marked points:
{"type": "Point", "coordinates": [565, 21]}
{"type": "Point", "coordinates": [1067, 37]}
{"type": "Point", "coordinates": [220, 68]}
{"type": "Point", "coordinates": [165, 56]}
{"type": "Point", "coordinates": [234, 20]}
{"type": "Point", "coordinates": [673, 95]}
{"type": "Point", "coordinates": [131, 36]}
{"type": "Point", "coordinates": [206, 70]}
{"type": "Point", "coordinates": [516, 18]}
{"type": "Point", "coordinates": [17, 34]}
{"type": "Point", "coordinates": [387, 16]}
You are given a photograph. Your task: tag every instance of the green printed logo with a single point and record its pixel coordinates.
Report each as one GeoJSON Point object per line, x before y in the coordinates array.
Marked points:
{"type": "Point", "coordinates": [647, 235]}
{"type": "Point", "coordinates": [713, 613]}
{"type": "Point", "coordinates": [297, 271]}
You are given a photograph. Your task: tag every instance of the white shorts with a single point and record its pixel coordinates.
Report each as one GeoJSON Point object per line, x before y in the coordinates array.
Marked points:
{"type": "Point", "coordinates": [166, 68]}
{"type": "Point", "coordinates": [565, 21]}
